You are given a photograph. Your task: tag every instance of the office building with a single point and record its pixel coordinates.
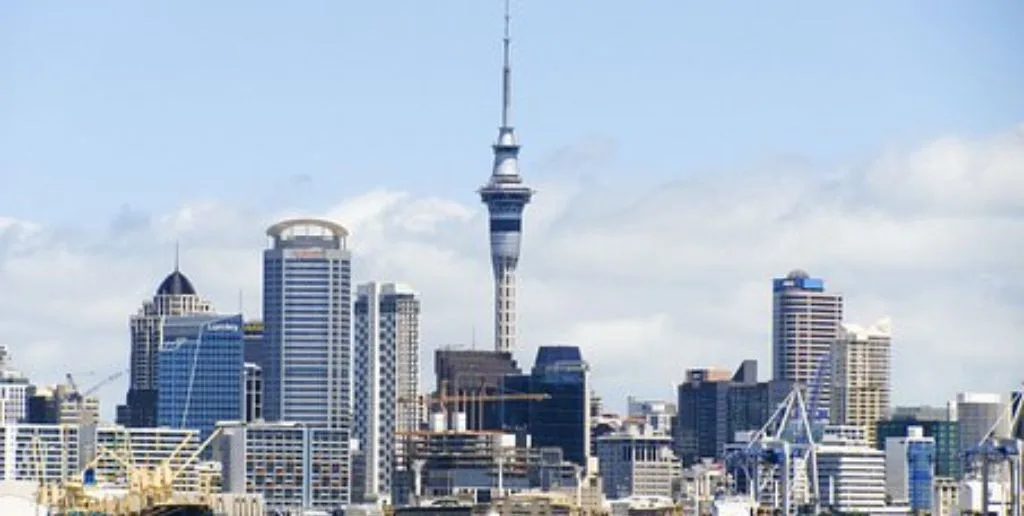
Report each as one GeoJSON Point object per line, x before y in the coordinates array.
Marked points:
{"type": "Point", "coordinates": [464, 372]}
{"type": "Point", "coordinates": [307, 309]}
{"type": "Point", "coordinates": [506, 196]}
{"type": "Point", "coordinates": [934, 424]}
{"type": "Point", "coordinates": [14, 391]}
{"type": "Point", "coordinates": [910, 470]}
{"type": "Point", "coordinates": [386, 382]}
{"type": "Point", "coordinates": [60, 404]}
{"type": "Point", "coordinates": [805, 323]}
{"type": "Point", "coordinates": [295, 467]}
{"type": "Point", "coordinates": [851, 473]}
{"type": "Point", "coordinates": [715, 404]}
{"type": "Point", "coordinates": [861, 375]}
{"type": "Point", "coordinates": [637, 461]}
{"type": "Point", "coordinates": [656, 414]}
{"type": "Point", "coordinates": [174, 297]}
{"type": "Point", "coordinates": [558, 416]}
{"type": "Point", "coordinates": [200, 372]}
{"type": "Point", "coordinates": [253, 332]}
{"type": "Point", "coordinates": [979, 414]}
{"type": "Point", "coordinates": [38, 453]}
{"type": "Point", "coordinates": [253, 392]}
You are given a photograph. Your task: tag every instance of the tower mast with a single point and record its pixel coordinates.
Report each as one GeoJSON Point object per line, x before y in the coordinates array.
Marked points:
{"type": "Point", "coordinates": [505, 196]}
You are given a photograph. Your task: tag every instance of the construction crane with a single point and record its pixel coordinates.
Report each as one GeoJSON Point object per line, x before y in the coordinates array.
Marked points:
{"type": "Point", "coordinates": [769, 463]}
{"type": "Point", "coordinates": [80, 396]}
{"type": "Point", "coordinates": [994, 450]}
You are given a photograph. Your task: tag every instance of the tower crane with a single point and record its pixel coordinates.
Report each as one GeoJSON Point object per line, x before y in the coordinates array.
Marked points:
{"type": "Point", "coordinates": [80, 395]}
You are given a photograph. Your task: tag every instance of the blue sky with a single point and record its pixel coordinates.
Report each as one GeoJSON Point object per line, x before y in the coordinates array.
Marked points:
{"type": "Point", "coordinates": [151, 104]}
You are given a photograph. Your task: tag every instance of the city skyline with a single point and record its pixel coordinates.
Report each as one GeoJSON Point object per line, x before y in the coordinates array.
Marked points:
{"type": "Point", "coordinates": [920, 225]}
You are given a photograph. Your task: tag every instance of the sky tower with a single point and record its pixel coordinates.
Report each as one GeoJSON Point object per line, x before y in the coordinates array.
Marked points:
{"type": "Point", "coordinates": [505, 196]}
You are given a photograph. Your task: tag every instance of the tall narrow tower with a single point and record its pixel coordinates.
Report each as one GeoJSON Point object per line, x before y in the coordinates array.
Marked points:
{"type": "Point", "coordinates": [505, 196]}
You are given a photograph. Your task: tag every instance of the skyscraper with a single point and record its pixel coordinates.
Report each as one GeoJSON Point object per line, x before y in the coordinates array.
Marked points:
{"type": "Point", "coordinates": [174, 297]}
{"type": "Point", "coordinates": [307, 323]}
{"type": "Point", "coordinates": [805, 323]}
{"type": "Point", "coordinates": [861, 375]}
{"type": "Point", "coordinates": [505, 196]}
{"type": "Point", "coordinates": [386, 381]}
{"type": "Point", "coordinates": [200, 372]}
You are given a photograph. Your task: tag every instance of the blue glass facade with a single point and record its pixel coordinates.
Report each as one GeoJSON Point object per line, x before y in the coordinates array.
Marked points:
{"type": "Point", "coordinates": [921, 475]}
{"type": "Point", "coordinates": [563, 419]}
{"type": "Point", "coordinates": [200, 372]}
{"type": "Point", "coordinates": [945, 433]}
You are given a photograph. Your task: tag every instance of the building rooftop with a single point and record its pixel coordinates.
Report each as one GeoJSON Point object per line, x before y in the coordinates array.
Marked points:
{"type": "Point", "coordinates": [176, 284]}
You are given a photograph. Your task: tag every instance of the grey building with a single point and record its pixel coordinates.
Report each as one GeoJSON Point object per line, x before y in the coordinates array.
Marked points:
{"type": "Point", "coordinates": [174, 297]}
{"type": "Point", "coordinates": [386, 383]}
{"type": "Point", "coordinates": [307, 324]}
{"type": "Point", "coordinates": [714, 404]}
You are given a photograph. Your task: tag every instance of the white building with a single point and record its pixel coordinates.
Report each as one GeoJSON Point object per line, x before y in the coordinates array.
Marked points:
{"type": "Point", "coordinates": [294, 466]}
{"type": "Point", "coordinates": [14, 388]}
{"type": "Point", "coordinates": [39, 453]}
{"type": "Point", "coordinates": [805, 322]}
{"type": "Point", "coordinates": [945, 497]}
{"type": "Point", "coordinates": [637, 462]}
{"type": "Point", "coordinates": [851, 473]}
{"type": "Point", "coordinates": [861, 375]}
{"type": "Point", "coordinates": [386, 383]}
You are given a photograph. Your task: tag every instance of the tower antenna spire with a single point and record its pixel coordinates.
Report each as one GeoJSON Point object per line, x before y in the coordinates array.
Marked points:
{"type": "Point", "coordinates": [177, 255]}
{"type": "Point", "coordinates": [506, 70]}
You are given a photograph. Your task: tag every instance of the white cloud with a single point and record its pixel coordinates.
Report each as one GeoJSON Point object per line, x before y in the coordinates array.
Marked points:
{"type": "Point", "coordinates": [649, 284]}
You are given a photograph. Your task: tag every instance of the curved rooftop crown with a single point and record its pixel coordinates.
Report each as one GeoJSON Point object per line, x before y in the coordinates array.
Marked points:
{"type": "Point", "coordinates": [176, 284]}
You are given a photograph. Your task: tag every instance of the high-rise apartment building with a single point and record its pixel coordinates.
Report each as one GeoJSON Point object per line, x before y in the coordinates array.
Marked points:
{"type": "Point", "coordinates": [39, 453]}
{"type": "Point", "coordinates": [294, 467]}
{"type": "Point", "coordinates": [200, 372]}
{"type": "Point", "coordinates": [861, 375]}
{"type": "Point", "coordinates": [805, 323]}
{"type": "Point", "coordinates": [307, 320]}
{"type": "Point", "coordinates": [506, 196]}
{"type": "Point", "coordinates": [174, 297]}
{"type": "Point", "coordinates": [386, 381]}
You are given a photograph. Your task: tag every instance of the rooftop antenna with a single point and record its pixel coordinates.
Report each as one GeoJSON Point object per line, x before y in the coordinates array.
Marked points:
{"type": "Point", "coordinates": [177, 255]}
{"type": "Point", "coordinates": [506, 75]}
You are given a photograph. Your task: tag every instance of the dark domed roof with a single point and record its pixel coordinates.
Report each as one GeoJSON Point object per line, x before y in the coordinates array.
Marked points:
{"type": "Point", "coordinates": [176, 284]}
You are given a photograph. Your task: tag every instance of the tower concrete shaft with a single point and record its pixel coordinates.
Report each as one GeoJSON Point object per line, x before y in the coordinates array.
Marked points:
{"type": "Point", "coordinates": [505, 196]}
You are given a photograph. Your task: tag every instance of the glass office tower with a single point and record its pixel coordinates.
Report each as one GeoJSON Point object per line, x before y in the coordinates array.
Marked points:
{"type": "Point", "coordinates": [200, 372]}
{"type": "Point", "coordinates": [307, 315]}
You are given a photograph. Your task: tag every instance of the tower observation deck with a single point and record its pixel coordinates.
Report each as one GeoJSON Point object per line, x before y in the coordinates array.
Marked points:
{"type": "Point", "coordinates": [505, 196]}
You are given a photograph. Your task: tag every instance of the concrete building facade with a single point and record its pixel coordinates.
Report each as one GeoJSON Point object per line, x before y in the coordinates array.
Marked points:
{"type": "Point", "coordinates": [806, 322]}
{"type": "Point", "coordinates": [862, 376]}
{"type": "Point", "coordinates": [386, 382]}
